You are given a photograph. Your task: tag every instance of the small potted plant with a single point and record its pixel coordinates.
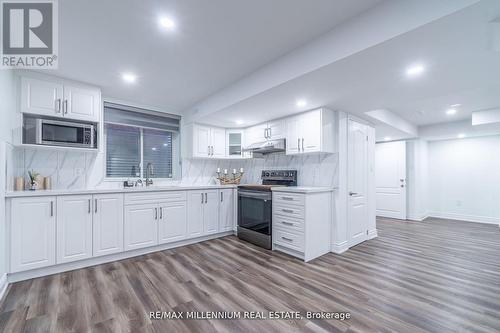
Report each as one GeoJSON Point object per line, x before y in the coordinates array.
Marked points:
{"type": "Point", "coordinates": [33, 179]}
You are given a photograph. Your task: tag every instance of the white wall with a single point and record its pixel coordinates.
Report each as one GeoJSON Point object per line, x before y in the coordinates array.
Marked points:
{"type": "Point", "coordinates": [417, 179]}
{"type": "Point", "coordinates": [7, 107]}
{"type": "Point", "coordinates": [464, 179]}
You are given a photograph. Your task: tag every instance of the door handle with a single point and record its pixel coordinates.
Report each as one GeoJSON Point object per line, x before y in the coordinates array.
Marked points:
{"type": "Point", "coordinates": [201, 197]}
{"type": "Point", "coordinates": [51, 208]}
{"type": "Point", "coordinates": [221, 196]}
{"type": "Point", "coordinates": [208, 150]}
{"type": "Point", "coordinates": [95, 204]}
{"type": "Point", "coordinates": [156, 213]}
{"type": "Point", "coordinates": [287, 223]}
{"type": "Point", "coordinates": [161, 213]}
{"type": "Point", "coordinates": [89, 206]}
{"type": "Point", "coordinates": [58, 105]}
{"type": "Point", "coordinates": [287, 211]}
{"type": "Point", "coordinates": [270, 132]}
{"type": "Point", "coordinates": [352, 193]}
{"type": "Point", "coordinates": [65, 106]}
{"type": "Point", "coordinates": [302, 144]}
{"type": "Point", "coordinates": [287, 239]}
{"type": "Point", "coordinates": [287, 198]}
{"type": "Point", "coordinates": [206, 197]}
{"type": "Point", "coordinates": [298, 144]}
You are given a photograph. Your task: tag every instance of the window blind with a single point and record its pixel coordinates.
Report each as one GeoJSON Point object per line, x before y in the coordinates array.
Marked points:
{"type": "Point", "coordinates": [157, 149]}
{"type": "Point", "coordinates": [133, 116]}
{"type": "Point", "coordinates": [123, 156]}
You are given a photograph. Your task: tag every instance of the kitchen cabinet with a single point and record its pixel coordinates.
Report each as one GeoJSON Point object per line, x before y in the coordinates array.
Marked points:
{"type": "Point", "coordinates": [60, 98]}
{"type": "Point", "coordinates": [302, 223]}
{"type": "Point", "coordinates": [227, 210]}
{"type": "Point", "coordinates": [33, 233]}
{"type": "Point", "coordinates": [74, 228]}
{"type": "Point", "coordinates": [311, 132]}
{"type": "Point", "coordinates": [203, 213]}
{"type": "Point", "coordinates": [271, 130]}
{"type": "Point", "coordinates": [211, 212]}
{"type": "Point", "coordinates": [172, 225]}
{"type": "Point", "coordinates": [208, 142]}
{"type": "Point", "coordinates": [140, 226]}
{"type": "Point", "coordinates": [235, 140]}
{"type": "Point", "coordinates": [107, 224]}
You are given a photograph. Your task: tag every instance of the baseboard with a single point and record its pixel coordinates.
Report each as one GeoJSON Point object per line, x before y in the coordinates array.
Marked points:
{"type": "Point", "coordinates": [466, 218]}
{"type": "Point", "coordinates": [3, 285]}
{"type": "Point", "coordinates": [34, 273]}
{"type": "Point", "coordinates": [340, 247]}
{"type": "Point", "coordinates": [417, 217]}
{"type": "Point", "coordinates": [372, 233]}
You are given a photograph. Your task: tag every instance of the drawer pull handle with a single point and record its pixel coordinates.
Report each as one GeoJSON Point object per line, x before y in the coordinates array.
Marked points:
{"type": "Point", "coordinates": [287, 239]}
{"type": "Point", "coordinates": [287, 198]}
{"type": "Point", "coordinates": [287, 211]}
{"type": "Point", "coordinates": [287, 223]}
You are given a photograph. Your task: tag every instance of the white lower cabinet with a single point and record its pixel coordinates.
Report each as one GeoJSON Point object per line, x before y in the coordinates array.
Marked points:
{"type": "Point", "coordinates": [33, 233]}
{"type": "Point", "coordinates": [227, 210]}
{"type": "Point", "coordinates": [203, 213]}
{"type": "Point", "coordinates": [74, 228]}
{"type": "Point", "coordinates": [211, 212]}
{"type": "Point", "coordinates": [140, 226]}
{"type": "Point", "coordinates": [172, 224]}
{"type": "Point", "coordinates": [107, 224]}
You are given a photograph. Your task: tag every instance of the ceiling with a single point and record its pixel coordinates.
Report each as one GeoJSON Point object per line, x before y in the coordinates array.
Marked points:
{"type": "Point", "coordinates": [460, 68]}
{"type": "Point", "coordinates": [215, 43]}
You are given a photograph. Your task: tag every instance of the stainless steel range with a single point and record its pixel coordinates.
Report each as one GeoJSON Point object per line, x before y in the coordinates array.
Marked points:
{"type": "Point", "coordinates": [255, 206]}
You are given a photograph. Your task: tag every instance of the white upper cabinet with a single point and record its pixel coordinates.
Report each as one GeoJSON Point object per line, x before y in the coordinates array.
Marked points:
{"type": "Point", "coordinates": [60, 98]}
{"type": "Point", "coordinates": [207, 142]}
{"type": "Point", "coordinates": [33, 233]}
{"type": "Point", "coordinates": [74, 228]}
{"type": "Point", "coordinates": [311, 132]}
{"type": "Point", "coordinates": [272, 130]}
{"type": "Point", "coordinates": [276, 129]}
{"type": "Point", "coordinates": [41, 97]}
{"type": "Point", "coordinates": [82, 103]}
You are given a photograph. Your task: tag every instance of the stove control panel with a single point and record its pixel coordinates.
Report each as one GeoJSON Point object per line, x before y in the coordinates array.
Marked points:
{"type": "Point", "coordinates": [283, 177]}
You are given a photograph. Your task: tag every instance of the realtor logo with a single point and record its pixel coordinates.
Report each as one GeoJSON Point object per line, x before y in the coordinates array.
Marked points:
{"type": "Point", "coordinates": [29, 34]}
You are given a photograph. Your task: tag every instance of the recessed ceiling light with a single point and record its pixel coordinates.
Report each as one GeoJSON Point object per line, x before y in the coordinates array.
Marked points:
{"type": "Point", "coordinates": [455, 105]}
{"type": "Point", "coordinates": [461, 136]}
{"type": "Point", "coordinates": [167, 23]}
{"type": "Point", "coordinates": [415, 70]}
{"type": "Point", "coordinates": [301, 103]}
{"type": "Point", "coordinates": [129, 77]}
{"type": "Point", "coordinates": [239, 122]}
{"type": "Point", "coordinates": [387, 138]}
{"type": "Point", "coordinates": [451, 112]}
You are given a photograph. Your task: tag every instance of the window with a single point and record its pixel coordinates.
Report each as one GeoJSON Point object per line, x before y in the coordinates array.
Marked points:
{"type": "Point", "coordinates": [136, 138]}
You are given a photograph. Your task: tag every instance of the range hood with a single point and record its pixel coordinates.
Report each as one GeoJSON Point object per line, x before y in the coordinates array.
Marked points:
{"type": "Point", "coordinates": [267, 147]}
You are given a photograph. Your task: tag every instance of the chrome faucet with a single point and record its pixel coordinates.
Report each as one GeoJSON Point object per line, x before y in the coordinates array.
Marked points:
{"type": "Point", "coordinates": [150, 171]}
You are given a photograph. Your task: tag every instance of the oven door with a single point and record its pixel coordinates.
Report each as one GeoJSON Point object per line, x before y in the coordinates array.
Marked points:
{"type": "Point", "coordinates": [60, 133]}
{"type": "Point", "coordinates": [255, 211]}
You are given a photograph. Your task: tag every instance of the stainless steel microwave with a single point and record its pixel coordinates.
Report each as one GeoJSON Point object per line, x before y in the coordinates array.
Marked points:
{"type": "Point", "coordinates": [63, 133]}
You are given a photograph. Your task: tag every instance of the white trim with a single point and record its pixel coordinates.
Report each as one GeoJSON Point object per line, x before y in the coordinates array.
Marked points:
{"type": "Point", "coordinates": [417, 217]}
{"type": "Point", "coordinates": [340, 247]}
{"type": "Point", "coordinates": [466, 218]}
{"type": "Point", "coordinates": [3, 285]}
{"type": "Point", "coordinates": [20, 276]}
{"type": "Point", "coordinates": [372, 234]}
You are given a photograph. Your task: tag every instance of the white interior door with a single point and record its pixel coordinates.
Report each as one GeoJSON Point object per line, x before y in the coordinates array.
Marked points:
{"type": "Point", "coordinates": [390, 179]}
{"type": "Point", "coordinates": [357, 182]}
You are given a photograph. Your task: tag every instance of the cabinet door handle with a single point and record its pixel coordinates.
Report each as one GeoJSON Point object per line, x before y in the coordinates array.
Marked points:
{"type": "Point", "coordinates": [89, 205]}
{"type": "Point", "coordinates": [298, 144]}
{"type": "Point", "coordinates": [208, 150]}
{"type": "Point", "coordinates": [302, 144]}
{"type": "Point", "coordinates": [202, 198]}
{"type": "Point", "coordinates": [161, 213]}
{"type": "Point", "coordinates": [65, 106]}
{"type": "Point", "coordinates": [51, 208]}
{"type": "Point", "coordinates": [221, 196]}
{"type": "Point", "coordinates": [287, 210]}
{"type": "Point", "coordinates": [206, 197]}
{"type": "Point", "coordinates": [270, 132]}
{"type": "Point", "coordinates": [287, 223]}
{"type": "Point", "coordinates": [58, 105]}
{"type": "Point", "coordinates": [287, 198]}
{"type": "Point", "coordinates": [156, 213]}
{"type": "Point", "coordinates": [287, 239]}
{"type": "Point", "coordinates": [95, 204]}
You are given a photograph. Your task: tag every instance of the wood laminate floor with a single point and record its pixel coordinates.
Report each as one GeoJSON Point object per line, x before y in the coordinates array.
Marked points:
{"type": "Point", "coordinates": [436, 275]}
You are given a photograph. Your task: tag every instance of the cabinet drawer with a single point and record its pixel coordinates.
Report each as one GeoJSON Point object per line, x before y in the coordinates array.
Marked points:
{"type": "Point", "coordinates": [154, 197]}
{"type": "Point", "coordinates": [288, 211]}
{"type": "Point", "coordinates": [288, 223]}
{"type": "Point", "coordinates": [287, 239]}
{"type": "Point", "coordinates": [288, 198]}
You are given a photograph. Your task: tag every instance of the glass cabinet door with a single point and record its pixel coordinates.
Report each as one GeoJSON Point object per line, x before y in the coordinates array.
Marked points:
{"type": "Point", "coordinates": [234, 143]}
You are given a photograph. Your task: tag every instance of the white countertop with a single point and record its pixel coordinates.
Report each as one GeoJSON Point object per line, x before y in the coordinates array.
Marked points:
{"type": "Point", "coordinates": [39, 193]}
{"type": "Point", "coordinates": [303, 189]}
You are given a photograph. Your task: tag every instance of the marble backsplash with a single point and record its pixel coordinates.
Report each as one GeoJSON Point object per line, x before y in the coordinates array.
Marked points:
{"type": "Point", "coordinates": [68, 170]}
{"type": "Point", "coordinates": [312, 170]}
